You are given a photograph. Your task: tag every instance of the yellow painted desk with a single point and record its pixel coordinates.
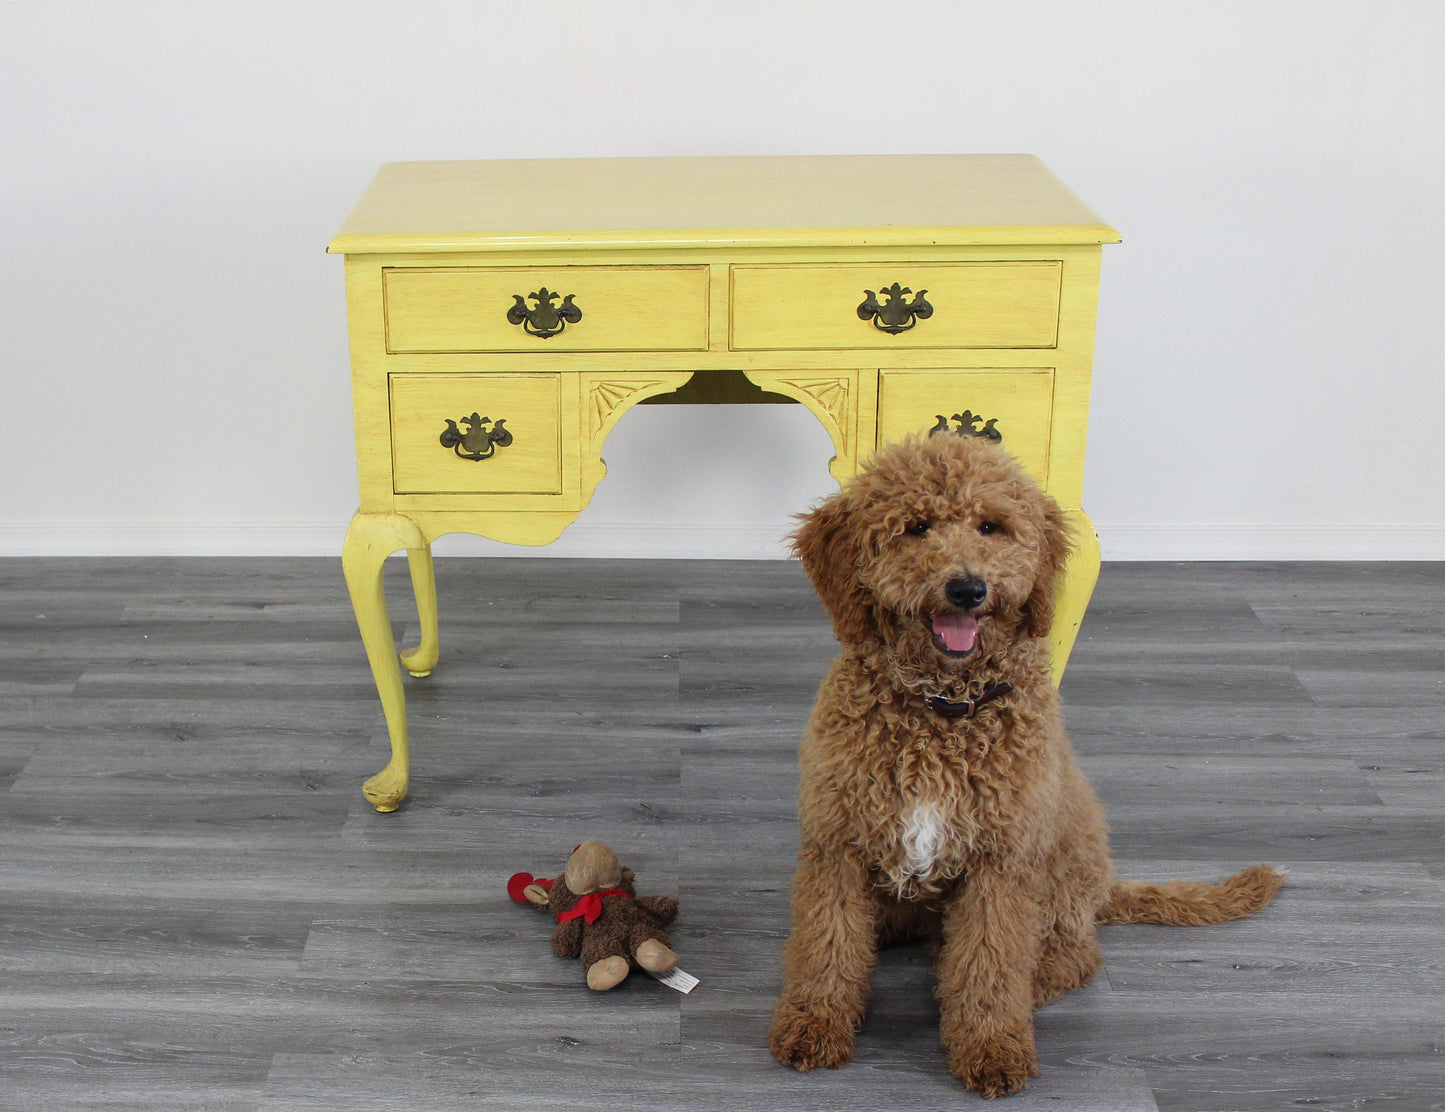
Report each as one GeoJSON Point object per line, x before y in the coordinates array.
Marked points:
{"type": "Point", "coordinates": [504, 315]}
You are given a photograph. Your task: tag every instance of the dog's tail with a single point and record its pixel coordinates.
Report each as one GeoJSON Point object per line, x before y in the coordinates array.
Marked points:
{"type": "Point", "coordinates": [1188, 903]}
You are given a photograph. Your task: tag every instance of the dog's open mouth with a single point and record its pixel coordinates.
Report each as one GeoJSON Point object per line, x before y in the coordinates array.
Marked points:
{"type": "Point", "coordinates": [954, 633]}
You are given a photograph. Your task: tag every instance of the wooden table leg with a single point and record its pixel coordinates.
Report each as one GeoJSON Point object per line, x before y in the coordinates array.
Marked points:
{"type": "Point", "coordinates": [1075, 589]}
{"type": "Point", "coordinates": [369, 541]}
{"type": "Point", "coordinates": [422, 659]}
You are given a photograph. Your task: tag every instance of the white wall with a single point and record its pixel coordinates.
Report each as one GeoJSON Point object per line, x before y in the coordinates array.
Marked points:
{"type": "Point", "coordinates": [1269, 377]}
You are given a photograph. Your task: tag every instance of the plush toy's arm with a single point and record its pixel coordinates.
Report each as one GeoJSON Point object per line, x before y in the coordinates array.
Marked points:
{"type": "Point", "coordinates": [526, 888]}
{"type": "Point", "coordinates": [567, 939]}
{"type": "Point", "coordinates": [660, 907]}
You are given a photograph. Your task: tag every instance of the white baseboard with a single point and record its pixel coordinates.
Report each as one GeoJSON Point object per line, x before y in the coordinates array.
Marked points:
{"type": "Point", "coordinates": [1305, 542]}
{"type": "Point", "coordinates": [583, 540]}
{"type": "Point", "coordinates": [163, 538]}
{"type": "Point", "coordinates": [685, 541]}
{"type": "Point", "coordinates": [622, 542]}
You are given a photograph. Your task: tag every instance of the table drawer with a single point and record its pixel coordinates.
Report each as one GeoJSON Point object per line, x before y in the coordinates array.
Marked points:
{"type": "Point", "coordinates": [563, 308]}
{"type": "Point", "coordinates": [476, 434]}
{"type": "Point", "coordinates": [1017, 404]}
{"type": "Point", "coordinates": [967, 305]}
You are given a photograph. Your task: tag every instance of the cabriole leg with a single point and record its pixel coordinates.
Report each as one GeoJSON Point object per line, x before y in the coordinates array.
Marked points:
{"type": "Point", "coordinates": [1075, 589]}
{"type": "Point", "coordinates": [369, 541]}
{"type": "Point", "coordinates": [422, 659]}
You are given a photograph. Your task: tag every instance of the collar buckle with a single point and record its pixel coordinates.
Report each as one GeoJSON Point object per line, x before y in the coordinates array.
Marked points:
{"type": "Point", "coordinates": [967, 708]}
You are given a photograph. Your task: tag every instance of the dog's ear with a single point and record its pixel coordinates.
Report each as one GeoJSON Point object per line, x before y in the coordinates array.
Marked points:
{"type": "Point", "coordinates": [826, 544]}
{"type": "Point", "coordinates": [1055, 543]}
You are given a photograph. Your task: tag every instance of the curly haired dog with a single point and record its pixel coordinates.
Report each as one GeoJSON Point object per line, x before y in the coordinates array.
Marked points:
{"type": "Point", "coordinates": [939, 793]}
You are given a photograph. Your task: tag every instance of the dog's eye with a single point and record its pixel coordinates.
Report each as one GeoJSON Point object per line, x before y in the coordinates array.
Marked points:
{"type": "Point", "coordinates": [918, 528]}
{"type": "Point", "coordinates": [988, 528]}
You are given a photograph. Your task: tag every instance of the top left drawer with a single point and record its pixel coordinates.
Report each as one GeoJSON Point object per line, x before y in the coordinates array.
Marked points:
{"type": "Point", "coordinates": [441, 310]}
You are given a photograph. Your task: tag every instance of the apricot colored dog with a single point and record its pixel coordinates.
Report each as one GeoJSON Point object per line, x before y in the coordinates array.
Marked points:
{"type": "Point", "coordinates": [940, 795]}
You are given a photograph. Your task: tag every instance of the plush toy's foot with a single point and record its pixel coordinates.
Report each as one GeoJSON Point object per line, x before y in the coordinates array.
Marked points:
{"type": "Point", "coordinates": [607, 973]}
{"type": "Point", "coordinates": [653, 956]}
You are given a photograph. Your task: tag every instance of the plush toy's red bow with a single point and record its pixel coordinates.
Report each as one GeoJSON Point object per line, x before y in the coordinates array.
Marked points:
{"type": "Point", "coordinates": [589, 907]}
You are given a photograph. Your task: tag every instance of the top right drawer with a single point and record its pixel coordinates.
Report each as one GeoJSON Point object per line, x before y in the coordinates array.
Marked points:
{"type": "Point", "coordinates": [896, 305]}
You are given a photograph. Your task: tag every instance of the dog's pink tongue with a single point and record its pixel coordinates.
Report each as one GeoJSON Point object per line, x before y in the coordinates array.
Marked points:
{"type": "Point", "coordinates": [957, 631]}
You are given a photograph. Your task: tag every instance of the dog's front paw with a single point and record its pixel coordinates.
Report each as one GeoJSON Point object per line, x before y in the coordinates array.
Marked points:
{"type": "Point", "coordinates": [998, 1067]}
{"type": "Point", "coordinates": [807, 1041]}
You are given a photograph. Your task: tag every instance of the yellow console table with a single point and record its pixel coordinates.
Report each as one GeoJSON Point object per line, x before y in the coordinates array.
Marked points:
{"type": "Point", "coordinates": [504, 315]}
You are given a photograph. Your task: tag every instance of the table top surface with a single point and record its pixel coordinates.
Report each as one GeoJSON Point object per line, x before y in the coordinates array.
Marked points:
{"type": "Point", "coordinates": [766, 201]}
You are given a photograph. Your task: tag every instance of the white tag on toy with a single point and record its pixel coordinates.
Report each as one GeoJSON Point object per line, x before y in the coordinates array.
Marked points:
{"type": "Point", "coordinates": [683, 982]}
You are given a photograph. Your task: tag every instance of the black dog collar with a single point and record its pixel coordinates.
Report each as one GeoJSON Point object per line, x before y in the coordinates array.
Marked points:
{"type": "Point", "coordinates": [967, 708]}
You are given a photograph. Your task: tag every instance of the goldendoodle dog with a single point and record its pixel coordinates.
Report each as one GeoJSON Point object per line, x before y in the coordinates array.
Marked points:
{"type": "Point", "coordinates": [939, 793]}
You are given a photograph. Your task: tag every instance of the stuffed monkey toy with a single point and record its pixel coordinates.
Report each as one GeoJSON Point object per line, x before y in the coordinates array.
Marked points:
{"type": "Point", "coordinates": [600, 918]}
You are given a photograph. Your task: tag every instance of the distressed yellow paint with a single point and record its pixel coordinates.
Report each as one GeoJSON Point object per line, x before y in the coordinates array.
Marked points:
{"type": "Point", "coordinates": [833, 399]}
{"type": "Point", "coordinates": [685, 266]}
{"type": "Point", "coordinates": [1076, 585]}
{"type": "Point", "coordinates": [1019, 401]}
{"type": "Point", "coordinates": [529, 406]}
{"type": "Point", "coordinates": [369, 541]}
{"type": "Point", "coordinates": [974, 305]}
{"type": "Point", "coordinates": [604, 398]}
{"type": "Point", "coordinates": [605, 203]}
{"type": "Point", "coordinates": [624, 308]}
{"type": "Point", "coordinates": [422, 659]}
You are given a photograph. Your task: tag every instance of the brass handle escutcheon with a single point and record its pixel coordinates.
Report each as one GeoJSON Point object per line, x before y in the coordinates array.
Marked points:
{"type": "Point", "coordinates": [897, 314]}
{"type": "Point", "coordinates": [545, 320]}
{"type": "Point", "coordinates": [968, 425]}
{"type": "Point", "coordinates": [479, 441]}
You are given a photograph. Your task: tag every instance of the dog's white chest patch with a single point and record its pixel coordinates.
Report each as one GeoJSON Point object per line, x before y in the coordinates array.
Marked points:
{"type": "Point", "coordinates": [925, 833]}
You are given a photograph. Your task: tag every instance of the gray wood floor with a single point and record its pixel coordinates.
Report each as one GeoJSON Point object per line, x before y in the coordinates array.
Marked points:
{"type": "Point", "coordinates": [199, 911]}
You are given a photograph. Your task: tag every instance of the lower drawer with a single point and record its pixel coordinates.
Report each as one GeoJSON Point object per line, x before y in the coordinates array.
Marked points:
{"type": "Point", "coordinates": [476, 434]}
{"type": "Point", "coordinates": [1018, 405]}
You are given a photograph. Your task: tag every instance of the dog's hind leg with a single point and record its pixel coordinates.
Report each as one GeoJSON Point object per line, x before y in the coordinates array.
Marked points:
{"type": "Point", "coordinates": [1069, 958]}
{"type": "Point", "coordinates": [827, 963]}
{"type": "Point", "coordinates": [1078, 882]}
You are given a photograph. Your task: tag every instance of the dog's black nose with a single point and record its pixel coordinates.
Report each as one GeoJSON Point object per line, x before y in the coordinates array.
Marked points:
{"type": "Point", "coordinates": [966, 594]}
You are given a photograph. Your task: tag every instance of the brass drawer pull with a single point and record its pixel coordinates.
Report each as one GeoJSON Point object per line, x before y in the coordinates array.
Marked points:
{"type": "Point", "coordinates": [479, 441]}
{"type": "Point", "coordinates": [546, 320]}
{"type": "Point", "coordinates": [968, 426]}
{"type": "Point", "coordinates": [897, 314]}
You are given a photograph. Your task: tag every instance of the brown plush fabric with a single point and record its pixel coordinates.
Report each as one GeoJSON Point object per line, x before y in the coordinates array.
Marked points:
{"type": "Point", "coordinates": [977, 830]}
{"type": "Point", "coordinates": [626, 922]}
